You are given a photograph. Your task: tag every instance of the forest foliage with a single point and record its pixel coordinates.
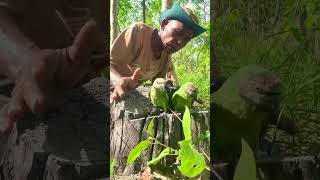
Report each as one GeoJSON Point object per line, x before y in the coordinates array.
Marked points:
{"type": "Point", "coordinates": [283, 36]}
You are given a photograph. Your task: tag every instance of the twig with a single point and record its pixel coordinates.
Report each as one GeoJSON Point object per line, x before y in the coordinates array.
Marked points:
{"type": "Point", "coordinates": [216, 174]}
{"type": "Point", "coordinates": [204, 153]}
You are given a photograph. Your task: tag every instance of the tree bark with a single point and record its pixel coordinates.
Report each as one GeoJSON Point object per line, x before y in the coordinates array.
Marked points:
{"type": "Point", "coordinates": [68, 142]}
{"type": "Point", "coordinates": [295, 168]}
{"type": "Point", "coordinates": [166, 4]}
{"type": "Point", "coordinates": [114, 20]}
{"type": "Point", "coordinates": [144, 11]}
{"type": "Point", "coordinates": [130, 119]}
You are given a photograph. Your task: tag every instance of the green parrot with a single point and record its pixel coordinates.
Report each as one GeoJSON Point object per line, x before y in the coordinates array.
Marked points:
{"type": "Point", "coordinates": [158, 94]}
{"type": "Point", "coordinates": [185, 96]}
{"type": "Point", "coordinates": [245, 103]}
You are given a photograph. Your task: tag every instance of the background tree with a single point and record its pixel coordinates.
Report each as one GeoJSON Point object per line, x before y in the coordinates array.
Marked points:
{"type": "Point", "coordinates": [166, 4]}
{"type": "Point", "coordinates": [113, 19]}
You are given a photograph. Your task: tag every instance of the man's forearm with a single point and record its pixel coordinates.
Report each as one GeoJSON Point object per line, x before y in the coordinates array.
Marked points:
{"type": "Point", "coordinates": [15, 47]}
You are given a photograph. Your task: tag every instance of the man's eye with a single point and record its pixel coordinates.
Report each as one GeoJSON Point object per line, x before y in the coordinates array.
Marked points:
{"type": "Point", "coordinates": [175, 32]}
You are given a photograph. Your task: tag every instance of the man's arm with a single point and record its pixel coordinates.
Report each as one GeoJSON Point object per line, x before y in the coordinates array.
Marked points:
{"type": "Point", "coordinates": [122, 83]}
{"type": "Point", "coordinates": [123, 50]}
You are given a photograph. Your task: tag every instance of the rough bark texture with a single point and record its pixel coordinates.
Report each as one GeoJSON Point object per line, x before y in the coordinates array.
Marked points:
{"type": "Point", "coordinates": [68, 142]}
{"type": "Point", "coordinates": [114, 7]}
{"type": "Point", "coordinates": [289, 168]}
{"type": "Point", "coordinates": [130, 119]}
{"type": "Point", "coordinates": [166, 4]}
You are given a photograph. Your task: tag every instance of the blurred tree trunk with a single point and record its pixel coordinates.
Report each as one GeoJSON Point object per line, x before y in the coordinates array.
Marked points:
{"type": "Point", "coordinates": [215, 9]}
{"type": "Point", "coordinates": [144, 10]}
{"type": "Point", "coordinates": [113, 20]}
{"type": "Point", "coordinates": [277, 14]}
{"type": "Point", "coordinates": [214, 66]}
{"type": "Point", "coordinates": [166, 4]}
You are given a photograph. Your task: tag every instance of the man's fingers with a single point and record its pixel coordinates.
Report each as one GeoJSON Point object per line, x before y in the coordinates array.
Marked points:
{"type": "Point", "coordinates": [5, 123]}
{"type": "Point", "coordinates": [16, 108]}
{"type": "Point", "coordinates": [114, 97]}
{"type": "Point", "coordinates": [118, 92]}
{"type": "Point", "coordinates": [84, 42]}
{"type": "Point", "coordinates": [136, 75]}
{"type": "Point", "coordinates": [35, 99]}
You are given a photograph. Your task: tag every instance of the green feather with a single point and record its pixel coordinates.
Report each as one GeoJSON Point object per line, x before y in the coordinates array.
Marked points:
{"type": "Point", "coordinates": [158, 94]}
{"type": "Point", "coordinates": [184, 96]}
{"type": "Point", "coordinates": [232, 117]}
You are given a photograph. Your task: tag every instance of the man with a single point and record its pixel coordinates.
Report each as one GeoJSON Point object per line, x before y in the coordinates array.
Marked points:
{"type": "Point", "coordinates": [142, 53]}
{"type": "Point", "coordinates": [43, 55]}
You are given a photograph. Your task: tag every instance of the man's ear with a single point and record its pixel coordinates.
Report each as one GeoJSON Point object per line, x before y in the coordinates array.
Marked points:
{"type": "Point", "coordinates": [164, 23]}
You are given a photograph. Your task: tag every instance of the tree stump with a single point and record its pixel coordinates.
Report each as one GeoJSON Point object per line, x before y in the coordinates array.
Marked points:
{"type": "Point", "coordinates": [293, 168]}
{"type": "Point", "coordinates": [68, 142]}
{"type": "Point", "coordinates": [130, 119]}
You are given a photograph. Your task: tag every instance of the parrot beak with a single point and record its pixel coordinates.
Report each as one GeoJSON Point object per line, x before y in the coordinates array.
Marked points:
{"type": "Point", "coordinates": [162, 87]}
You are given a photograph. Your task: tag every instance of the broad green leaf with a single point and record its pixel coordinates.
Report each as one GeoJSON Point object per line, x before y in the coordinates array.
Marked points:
{"type": "Point", "coordinates": [163, 153]}
{"type": "Point", "coordinates": [202, 138]}
{"type": "Point", "coordinates": [186, 124]}
{"type": "Point", "coordinates": [150, 128]}
{"type": "Point", "coordinates": [246, 168]}
{"type": "Point", "coordinates": [112, 163]}
{"type": "Point", "coordinates": [192, 162]}
{"type": "Point", "coordinates": [136, 151]}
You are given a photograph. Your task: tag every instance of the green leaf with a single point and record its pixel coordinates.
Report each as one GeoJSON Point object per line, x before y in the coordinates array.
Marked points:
{"type": "Point", "coordinates": [186, 124]}
{"type": "Point", "coordinates": [296, 34]}
{"type": "Point", "coordinates": [202, 138]}
{"type": "Point", "coordinates": [163, 153]}
{"type": "Point", "coordinates": [150, 128]}
{"type": "Point", "coordinates": [246, 168]}
{"type": "Point", "coordinates": [112, 163]}
{"type": "Point", "coordinates": [136, 151]}
{"type": "Point", "coordinates": [192, 162]}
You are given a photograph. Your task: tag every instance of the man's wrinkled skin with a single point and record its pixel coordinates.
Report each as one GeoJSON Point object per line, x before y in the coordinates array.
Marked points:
{"type": "Point", "coordinates": [40, 75]}
{"type": "Point", "coordinates": [172, 36]}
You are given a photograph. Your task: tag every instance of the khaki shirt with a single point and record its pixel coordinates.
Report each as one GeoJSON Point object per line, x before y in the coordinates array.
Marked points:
{"type": "Point", "coordinates": [132, 50]}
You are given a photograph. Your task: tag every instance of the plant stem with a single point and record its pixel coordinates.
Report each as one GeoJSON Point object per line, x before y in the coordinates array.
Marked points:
{"type": "Point", "coordinates": [158, 142]}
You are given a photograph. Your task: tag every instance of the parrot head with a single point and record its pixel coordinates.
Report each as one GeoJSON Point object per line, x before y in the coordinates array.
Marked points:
{"type": "Point", "coordinates": [241, 108]}
{"type": "Point", "coordinates": [159, 84]}
{"type": "Point", "coordinates": [191, 89]}
{"type": "Point", "coordinates": [261, 91]}
{"type": "Point", "coordinates": [253, 86]}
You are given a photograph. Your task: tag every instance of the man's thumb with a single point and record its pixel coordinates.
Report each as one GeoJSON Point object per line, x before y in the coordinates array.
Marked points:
{"type": "Point", "coordinates": [84, 42]}
{"type": "Point", "coordinates": [136, 75]}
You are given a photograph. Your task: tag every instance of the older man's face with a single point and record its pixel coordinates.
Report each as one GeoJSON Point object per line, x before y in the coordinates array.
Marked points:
{"type": "Point", "coordinates": [175, 35]}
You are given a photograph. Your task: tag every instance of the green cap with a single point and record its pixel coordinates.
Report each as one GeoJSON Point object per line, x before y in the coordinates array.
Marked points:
{"type": "Point", "coordinates": [184, 15]}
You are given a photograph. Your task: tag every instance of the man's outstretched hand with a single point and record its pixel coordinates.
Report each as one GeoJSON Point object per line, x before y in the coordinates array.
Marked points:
{"type": "Point", "coordinates": [123, 84]}
{"type": "Point", "coordinates": [44, 77]}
